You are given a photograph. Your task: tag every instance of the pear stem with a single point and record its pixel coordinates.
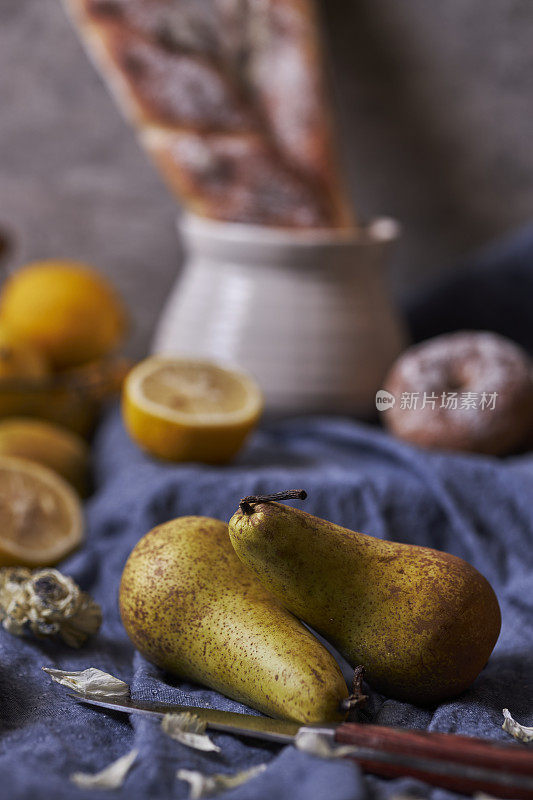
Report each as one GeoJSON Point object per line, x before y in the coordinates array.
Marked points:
{"type": "Point", "coordinates": [291, 494]}
{"type": "Point", "coordinates": [357, 698]}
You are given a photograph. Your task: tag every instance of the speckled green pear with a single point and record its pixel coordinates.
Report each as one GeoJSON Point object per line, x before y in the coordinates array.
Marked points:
{"type": "Point", "coordinates": [423, 623]}
{"type": "Point", "coordinates": [191, 607]}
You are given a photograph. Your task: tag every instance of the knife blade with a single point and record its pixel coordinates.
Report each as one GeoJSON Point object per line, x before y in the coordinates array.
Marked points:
{"type": "Point", "coordinates": [273, 730]}
{"type": "Point", "coordinates": [461, 763]}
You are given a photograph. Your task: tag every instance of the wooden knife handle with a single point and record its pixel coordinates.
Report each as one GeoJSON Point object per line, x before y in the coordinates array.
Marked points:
{"type": "Point", "coordinates": [460, 763]}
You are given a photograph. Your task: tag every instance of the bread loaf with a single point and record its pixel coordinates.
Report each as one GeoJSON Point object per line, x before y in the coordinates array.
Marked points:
{"type": "Point", "coordinates": [230, 99]}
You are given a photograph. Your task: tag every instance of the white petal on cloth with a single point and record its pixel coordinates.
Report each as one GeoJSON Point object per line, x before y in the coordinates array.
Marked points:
{"type": "Point", "coordinates": [209, 785]}
{"type": "Point", "coordinates": [317, 744]}
{"type": "Point", "coordinates": [111, 777]}
{"type": "Point", "coordinates": [189, 730]}
{"type": "Point", "coordinates": [520, 732]}
{"type": "Point", "coordinates": [90, 682]}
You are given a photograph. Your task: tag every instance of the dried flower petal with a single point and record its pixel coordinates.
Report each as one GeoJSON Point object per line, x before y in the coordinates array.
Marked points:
{"type": "Point", "coordinates": [47, 603]}
{"type": "Point", "coordinates": [112, 777]}
{"type": "Point", "coordinates": [209, 785]}
{"type": "Point", "coordinates": [90, 682]}
{"type": "Point", "coordinates": [520, 732]}
{"type": "Point", "coordinates": [189, 730]}
{"type": "Point", "coordinates": [321, 745]}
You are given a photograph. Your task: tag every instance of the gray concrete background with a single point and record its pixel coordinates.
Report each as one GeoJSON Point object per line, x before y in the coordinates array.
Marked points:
{"type": "Point", "coordinates": [435, 101]}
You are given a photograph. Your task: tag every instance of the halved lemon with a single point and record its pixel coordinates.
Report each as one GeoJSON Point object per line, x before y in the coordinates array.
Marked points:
{"type": "Point", "coordinates": [51, 445]}
{"type": "Point", "coordinates": [40, 515]}
{"type": "Point", "coordinates": [184, 409]}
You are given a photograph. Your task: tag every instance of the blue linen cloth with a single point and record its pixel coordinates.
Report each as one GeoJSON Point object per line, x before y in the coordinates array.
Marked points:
{"type": "Point", "coordinates": [479, 508]}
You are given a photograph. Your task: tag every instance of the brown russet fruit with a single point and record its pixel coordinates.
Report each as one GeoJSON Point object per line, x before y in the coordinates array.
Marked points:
{"type": "Point", "coordinates": [470, 391]}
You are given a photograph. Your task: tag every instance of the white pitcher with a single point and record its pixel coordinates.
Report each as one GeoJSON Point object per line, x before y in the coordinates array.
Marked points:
{"type": "Point", "coordinates": [307, 312]}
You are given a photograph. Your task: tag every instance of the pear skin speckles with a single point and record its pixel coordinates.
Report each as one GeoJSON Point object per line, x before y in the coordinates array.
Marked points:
{"type": "Point", "coordinates": [191, 607]}
{"type": "Point", "coordinates": [422, 622]}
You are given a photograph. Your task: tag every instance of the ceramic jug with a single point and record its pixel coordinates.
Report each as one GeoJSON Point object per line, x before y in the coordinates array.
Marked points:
{"type": "Point", "coordinates": [308, 313]}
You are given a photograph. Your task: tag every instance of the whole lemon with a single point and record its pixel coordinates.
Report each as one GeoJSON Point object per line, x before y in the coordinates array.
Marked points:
{"type": "Point", "coordinates": [65, 309]}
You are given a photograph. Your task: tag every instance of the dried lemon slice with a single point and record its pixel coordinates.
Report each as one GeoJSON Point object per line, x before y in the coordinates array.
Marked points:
{"type": "Point", "coordinates": [189, 410]}
{"type": "Point", "coordinates": [52, 446]}
{"type": "Point", "coordinates": [40, 515]}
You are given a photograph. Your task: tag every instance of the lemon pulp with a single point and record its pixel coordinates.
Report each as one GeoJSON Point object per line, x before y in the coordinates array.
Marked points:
{"type": "Point", "coordinates": [186, 409]}
{"type": "Point", "coordinates": [198, 390]}
{"type": "Point", "coordinates": [40, 516]}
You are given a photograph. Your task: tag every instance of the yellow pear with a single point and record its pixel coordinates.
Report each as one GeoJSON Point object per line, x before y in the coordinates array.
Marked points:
{"type": "Point", "coordinates": [192, 608]}
{"type": "Point", "coordinates": [422, 623]}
